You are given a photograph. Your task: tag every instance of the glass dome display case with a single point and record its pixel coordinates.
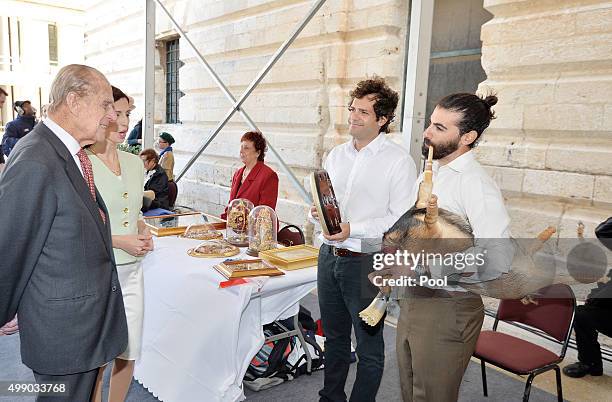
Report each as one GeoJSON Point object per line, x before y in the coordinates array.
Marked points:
{"type": "Point", "coordinates": [262, 230]}
{"type": "Point", "coordinates": [237, 222]}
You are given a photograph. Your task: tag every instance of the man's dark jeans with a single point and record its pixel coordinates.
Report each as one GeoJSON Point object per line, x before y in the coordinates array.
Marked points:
{"type": "Point", "coordinates": [344, 290]}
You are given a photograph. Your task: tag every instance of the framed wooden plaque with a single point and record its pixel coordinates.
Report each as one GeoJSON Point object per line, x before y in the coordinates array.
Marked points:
{"type": "Point", "coordinates": [290, 258]}
{"type": "Point", "coordinates": [245, 268]}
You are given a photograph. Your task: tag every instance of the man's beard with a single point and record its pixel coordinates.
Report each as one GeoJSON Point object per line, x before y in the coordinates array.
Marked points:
{"type": "Point", "coordinates": [440, 150]}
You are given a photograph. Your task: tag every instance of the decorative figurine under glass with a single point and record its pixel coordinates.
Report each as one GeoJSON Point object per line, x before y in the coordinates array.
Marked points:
{"type": "Point", "coordinates": [262, 229]}
{"type": "Point", "coordinates": [201, 232]}
{"type": "Point", "coordinates": [237, 222]}
{"type": "Point", "coordinates": [215, 248]}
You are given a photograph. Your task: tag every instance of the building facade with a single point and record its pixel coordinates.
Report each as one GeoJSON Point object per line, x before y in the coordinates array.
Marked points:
{"type": "Point", "coordinates": [549, 62]}
{"type": "Point", "coordinates": [300, 106]}
{"type": "Point", "coordinates": [550, 150]}
{"type": "Point", "coordinates": [36, 39]}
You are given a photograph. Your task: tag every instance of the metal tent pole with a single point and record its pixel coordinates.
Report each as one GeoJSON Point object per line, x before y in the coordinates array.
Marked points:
{"type": "Point", "coordinates": [417, 74]}
{"type": "Point", "coordinates": [149, 111]}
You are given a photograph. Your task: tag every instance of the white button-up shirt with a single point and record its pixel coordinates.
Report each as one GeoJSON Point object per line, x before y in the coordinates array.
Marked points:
{"type": "Point", "coordinates": [373, 188]}
{"type": "Point", "coordinates": [464, 188]}
{"type": "Point", "coordinates": [69, 141]}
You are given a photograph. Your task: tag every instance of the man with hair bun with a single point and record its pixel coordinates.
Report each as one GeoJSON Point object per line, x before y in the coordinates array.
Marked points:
{"type": "Point", "coordinates": [438, 326]}
{"type": "Point", "coordinates": [372, 177]}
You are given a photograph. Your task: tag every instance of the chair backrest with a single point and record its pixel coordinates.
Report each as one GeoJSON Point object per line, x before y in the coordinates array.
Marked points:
{"type": "Point", "coordinates": [553, 313]}
{"type": "Point", "coordinates": [290, 235]}
{"type": "Point", "coordinates": [172, 193]}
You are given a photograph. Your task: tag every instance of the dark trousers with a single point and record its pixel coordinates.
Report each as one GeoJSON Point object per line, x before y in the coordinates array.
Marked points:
{"type": "Point", "coordinates": [79, 386]}
{"type": "Point", "coordinates": [344, 290]}
{"type": "Point", "coordinates": [589, 321]}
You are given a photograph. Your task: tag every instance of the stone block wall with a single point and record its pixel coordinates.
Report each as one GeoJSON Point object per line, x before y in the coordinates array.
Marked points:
{"type": "Point", "coordinates": [301, 104]}
{"type": "Point", "coordinates": [550, 149]}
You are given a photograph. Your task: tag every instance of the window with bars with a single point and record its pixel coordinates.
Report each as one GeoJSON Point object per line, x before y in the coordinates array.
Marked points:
{"type": "Point", "coordinates": [172, 81]}
{"type": "Point", "coordinates": [52, 29]}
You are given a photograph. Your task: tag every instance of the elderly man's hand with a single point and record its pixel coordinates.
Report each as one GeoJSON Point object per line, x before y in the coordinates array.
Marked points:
{"type": "Point", "coordinates": [10, 327]}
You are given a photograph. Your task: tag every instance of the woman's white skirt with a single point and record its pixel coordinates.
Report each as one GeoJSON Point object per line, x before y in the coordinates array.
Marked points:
{"type": "Point", "coordinates": [132, 287]}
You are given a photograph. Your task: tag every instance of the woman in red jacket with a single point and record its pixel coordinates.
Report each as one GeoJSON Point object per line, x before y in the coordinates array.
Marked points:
{"type": "Point", "coordinates": [255, 181]}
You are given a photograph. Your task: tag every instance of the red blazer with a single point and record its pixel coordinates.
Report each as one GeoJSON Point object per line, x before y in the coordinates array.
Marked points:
{"type": "Point", "coordinates": [260, 186]}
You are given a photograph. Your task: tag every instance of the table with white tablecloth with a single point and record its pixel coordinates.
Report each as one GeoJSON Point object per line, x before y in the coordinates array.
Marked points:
{"type": "Point", "coordinates": [198, 339]}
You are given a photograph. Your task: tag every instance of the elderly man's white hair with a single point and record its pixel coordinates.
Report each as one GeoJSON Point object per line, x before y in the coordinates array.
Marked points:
{"type": "Point", "coordinates": [76, 78]}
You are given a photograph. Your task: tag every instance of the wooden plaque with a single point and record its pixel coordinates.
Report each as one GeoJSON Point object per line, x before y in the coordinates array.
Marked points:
{"type": "Point", "coordinates": [294, 257]}
{"type": "Point", "coordinates": [325, 202]}
{"type": "Point", "coordinates": [245, 268]}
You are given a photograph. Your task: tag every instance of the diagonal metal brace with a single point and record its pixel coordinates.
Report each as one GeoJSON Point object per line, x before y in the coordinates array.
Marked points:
{"type": "Point", "coordinates": [236, 104]}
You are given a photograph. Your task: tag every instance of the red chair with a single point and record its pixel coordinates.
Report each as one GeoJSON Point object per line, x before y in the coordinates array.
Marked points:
{"type": "Point", "coordinates": [553, 315]}
{"type": "Point", "coordinates": [290, 235]}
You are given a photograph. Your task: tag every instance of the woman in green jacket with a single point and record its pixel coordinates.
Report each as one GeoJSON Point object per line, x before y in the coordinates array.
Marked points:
{"type": "Point", "coordinates": [119, 178]}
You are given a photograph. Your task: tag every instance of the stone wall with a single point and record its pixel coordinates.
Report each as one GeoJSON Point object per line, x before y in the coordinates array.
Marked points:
{"type": "Point", "coordinates": [550, 149]}
{"type": "Point", "coordinates": [300, 106]}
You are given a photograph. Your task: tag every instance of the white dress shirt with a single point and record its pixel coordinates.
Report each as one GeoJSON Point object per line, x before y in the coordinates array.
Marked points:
{"type": "Point", "coordinates": [69, 141]}
{"type": "Point", "coordinates": [464, 188]}
{"type": "Point", "coordinates": [373, 188]}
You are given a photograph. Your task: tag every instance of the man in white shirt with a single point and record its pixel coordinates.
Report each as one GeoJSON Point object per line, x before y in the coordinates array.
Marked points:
{"type": "Point", "coordinates": [438, 327]}
{"type": "Point", "coordinates": [372, 178]}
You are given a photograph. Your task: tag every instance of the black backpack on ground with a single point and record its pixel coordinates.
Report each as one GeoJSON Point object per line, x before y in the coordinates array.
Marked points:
{"type": "Point", "coordinates": [271, 365]}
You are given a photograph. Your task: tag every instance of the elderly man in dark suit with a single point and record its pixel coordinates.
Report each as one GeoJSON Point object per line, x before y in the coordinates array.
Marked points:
{"type": "Point", "coordinates": [57, 269]}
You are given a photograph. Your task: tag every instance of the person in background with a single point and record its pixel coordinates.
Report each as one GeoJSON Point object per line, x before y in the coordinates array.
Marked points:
{"type": "Point", "coordinates": [255, 181]}
{"type": "Point", "coordinates": [18, 128]}
{"type": "Point", "coordinates": [119, 177]}
{"type": "Point", "coordinates": [166, 157]}
{"type": "Point", "coordinates": [135, 137]}
{"type": "Point", "coordinates": [3, 95]}
{"type": "Point", "coordinates": [593, 318]}
{"type": "Point", "coordinates": [43, 112]}
{"type": "Point", "coordinates": [155, 180]}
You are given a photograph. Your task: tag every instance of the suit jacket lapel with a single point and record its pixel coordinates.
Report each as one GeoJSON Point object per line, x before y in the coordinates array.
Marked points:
{"type": "Point", "coordinates": [236, 183]}
{"type": "Point", "coordinates": [79, 184]}
{"type": "Point", "coordinates": [101, 205]}
{"type": "Point", "coordinates": [249, 180]}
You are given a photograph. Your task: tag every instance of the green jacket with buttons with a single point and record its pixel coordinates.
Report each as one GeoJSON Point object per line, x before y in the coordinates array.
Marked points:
{"type": "Point", "coordinates": [122, 196]}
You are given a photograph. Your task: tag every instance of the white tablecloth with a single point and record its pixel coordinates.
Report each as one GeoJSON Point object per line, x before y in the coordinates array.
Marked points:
{"type": "Point", "coordinates": [198, 339]}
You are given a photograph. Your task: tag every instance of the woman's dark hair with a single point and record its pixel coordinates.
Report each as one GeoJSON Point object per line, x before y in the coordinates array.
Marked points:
{"type": "Point", "coordinates": [476, 111]}
{"type": "Point", "coordinates": [119, 94]}
{"type": "Point", "coordinates": [150, 154]}
{"type": "Point", "coordinates": [384, 97]}
{"type": "Point", "coordinates": [258, 141]}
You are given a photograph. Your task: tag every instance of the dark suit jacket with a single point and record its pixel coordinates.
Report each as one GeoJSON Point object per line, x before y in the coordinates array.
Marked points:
{"type": "Point", "coordinates": [57, 269]}
{"type": "Point", "coordinates": [260, 187]}
{"type": "Point", "coordinates": [602, 294]}
{"type": "Point", "coordinates": [158, 183]}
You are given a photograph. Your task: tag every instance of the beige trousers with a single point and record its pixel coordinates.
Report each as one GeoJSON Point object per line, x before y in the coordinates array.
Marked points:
{"type": "Point", "coordinates": [436, 337]}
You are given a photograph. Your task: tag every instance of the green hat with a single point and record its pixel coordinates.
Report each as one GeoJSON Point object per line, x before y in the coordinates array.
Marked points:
{"type": "Point", "coordinates": [167, 137]}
